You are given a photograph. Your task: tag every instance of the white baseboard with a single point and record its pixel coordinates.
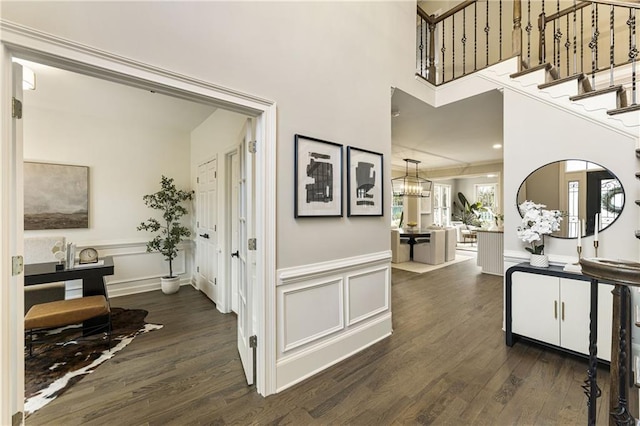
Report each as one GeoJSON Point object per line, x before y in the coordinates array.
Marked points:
{"type": "Point", "coordinates": [302, 365]}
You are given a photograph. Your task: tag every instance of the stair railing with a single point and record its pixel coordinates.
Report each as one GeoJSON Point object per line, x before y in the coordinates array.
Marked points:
{"type": "Point", "coordinates": [575, 40]}
{"type": "Point", "coordinates": [465, 39]}
{"type": "Point", "coordinates": [611, 22]}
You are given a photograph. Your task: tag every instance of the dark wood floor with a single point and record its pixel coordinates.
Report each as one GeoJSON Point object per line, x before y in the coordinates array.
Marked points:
{"type": "Point", "coordinates": [446, 363]}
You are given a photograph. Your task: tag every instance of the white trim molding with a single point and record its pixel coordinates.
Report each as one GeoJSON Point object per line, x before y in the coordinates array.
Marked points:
{"type": "Point", "coordinates": [328, 311]}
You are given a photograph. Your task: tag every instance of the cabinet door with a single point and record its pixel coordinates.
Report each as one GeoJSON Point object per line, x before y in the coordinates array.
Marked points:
{"type": "Point", "coordinates": [535, 306]}
{"type": "Point", "coordinates": [575, 303]}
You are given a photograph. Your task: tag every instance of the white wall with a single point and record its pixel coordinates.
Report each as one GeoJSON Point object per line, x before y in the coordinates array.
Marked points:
{"type": "Point", "coordinates": [126, 161]}
{"type": "Point", "coordinates": [529, 145]}
{"type": "Point", "coordinates": [328, 65]}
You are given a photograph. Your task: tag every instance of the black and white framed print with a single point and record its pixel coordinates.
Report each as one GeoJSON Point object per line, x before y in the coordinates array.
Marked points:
{"type": "Point", "coordinates": [318, 177]}
{"type": "Point", "coordinates": [364, 183]}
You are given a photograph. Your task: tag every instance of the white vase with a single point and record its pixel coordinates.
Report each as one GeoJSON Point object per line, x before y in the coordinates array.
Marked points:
{"type": "Point", "coordinates": [539, 260]}
{"type": "Point", "coordinates": [170, 285]}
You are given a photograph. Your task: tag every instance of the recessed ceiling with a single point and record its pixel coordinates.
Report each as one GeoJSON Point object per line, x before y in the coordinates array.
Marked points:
{"type": "Point", "coordinates": [80, 94]}
{"type": "Point", "coordinates": [458, 134]}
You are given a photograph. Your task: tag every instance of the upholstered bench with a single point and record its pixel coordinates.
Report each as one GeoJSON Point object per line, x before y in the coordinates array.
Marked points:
{"type": "Point", "coordinates": [67, 312]}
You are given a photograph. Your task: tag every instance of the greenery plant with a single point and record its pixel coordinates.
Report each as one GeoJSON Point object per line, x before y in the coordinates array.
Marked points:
{"type": "Point", "coordinates": [170, 232]}
{"type": "Point", "coordinates": [466, 212]}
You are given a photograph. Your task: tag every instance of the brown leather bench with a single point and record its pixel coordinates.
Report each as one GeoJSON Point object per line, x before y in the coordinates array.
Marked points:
{"type": "Point", "coordinates": [66, 312]}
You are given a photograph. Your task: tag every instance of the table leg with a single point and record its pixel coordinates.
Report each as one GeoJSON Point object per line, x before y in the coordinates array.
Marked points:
{"type": "Point", "coordinates": [94, 286]}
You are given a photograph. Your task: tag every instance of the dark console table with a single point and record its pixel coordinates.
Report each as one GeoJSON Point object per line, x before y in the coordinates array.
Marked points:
{"type": "Point", "coordinates": [92, 275]}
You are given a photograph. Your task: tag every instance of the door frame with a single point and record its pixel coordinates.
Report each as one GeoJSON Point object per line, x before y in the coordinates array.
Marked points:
{"type": "Point", "coordinates": [49, 49]}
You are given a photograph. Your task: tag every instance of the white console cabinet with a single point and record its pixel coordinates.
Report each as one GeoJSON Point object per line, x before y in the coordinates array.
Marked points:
{"type": "Point", "coordinates": [552, 306]}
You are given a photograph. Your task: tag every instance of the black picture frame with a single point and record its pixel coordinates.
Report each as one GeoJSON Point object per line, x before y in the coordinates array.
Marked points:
{"type": "Point", "coordinates": [364, 182]}
{"type": "Point", "coordinates": [318, 178]}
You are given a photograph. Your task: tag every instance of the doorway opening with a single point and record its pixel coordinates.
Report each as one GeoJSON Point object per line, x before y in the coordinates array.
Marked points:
{"type": "Point", "coordinates": [83, 60]}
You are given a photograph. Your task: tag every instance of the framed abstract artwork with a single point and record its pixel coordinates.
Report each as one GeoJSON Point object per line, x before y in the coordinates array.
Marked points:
{"type": "Point", "coordinates": [318, 178]}
{"type": "Point", "coordinates": [56, 196]}
{"type": "Point", "coordinates": [364, 182]}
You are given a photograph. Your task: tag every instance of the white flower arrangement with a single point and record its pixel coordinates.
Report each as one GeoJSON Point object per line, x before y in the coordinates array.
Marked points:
{"type": "Point", "coordinates": [536, 223]}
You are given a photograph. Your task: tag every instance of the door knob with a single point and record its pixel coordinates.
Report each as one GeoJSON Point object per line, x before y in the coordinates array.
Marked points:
{"type": "Point", "coordinates": [236, 254]}
{"type": "Point", "coordinates": [205, 236]}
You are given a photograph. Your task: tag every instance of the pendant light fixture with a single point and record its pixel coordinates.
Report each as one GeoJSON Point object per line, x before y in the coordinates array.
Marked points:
{"type": "Point", "coordinates": [411, 185]}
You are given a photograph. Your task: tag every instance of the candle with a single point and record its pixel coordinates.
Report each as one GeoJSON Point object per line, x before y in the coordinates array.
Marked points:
{"type": "Point", "coordinates": [579, 233]}
{"type": "Point", "coordinates": [596, 226]}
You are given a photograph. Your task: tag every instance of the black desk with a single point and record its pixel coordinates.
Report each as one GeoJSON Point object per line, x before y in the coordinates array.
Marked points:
{"type": "Point", "coordinates": [92, 276]}
{"type": "Point", "coordinates": [413, 235]}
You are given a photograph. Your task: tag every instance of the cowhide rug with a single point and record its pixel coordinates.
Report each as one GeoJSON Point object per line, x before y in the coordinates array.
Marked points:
{"type": "Point", "coordinates": [56, 366]}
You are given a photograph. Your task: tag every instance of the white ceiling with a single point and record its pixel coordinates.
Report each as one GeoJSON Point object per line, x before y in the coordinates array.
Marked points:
{"type": "Point", "coordinates": [73, 92]}
{"type": "Point", "coordinates": [459, 134]}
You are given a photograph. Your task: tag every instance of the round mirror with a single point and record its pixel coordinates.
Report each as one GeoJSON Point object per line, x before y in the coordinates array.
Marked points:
{"type": "Point", "coordinates": [579, 189]}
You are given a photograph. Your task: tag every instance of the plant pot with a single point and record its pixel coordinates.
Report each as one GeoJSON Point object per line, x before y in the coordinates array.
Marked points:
{"type": "Point", "coordinates": [539, 260]}
{"type": "Point", "coordinates": [170, 285]}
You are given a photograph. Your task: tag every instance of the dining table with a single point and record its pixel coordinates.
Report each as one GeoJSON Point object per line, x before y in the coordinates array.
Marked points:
{"type": "Point", "coordinates": [413, 234]}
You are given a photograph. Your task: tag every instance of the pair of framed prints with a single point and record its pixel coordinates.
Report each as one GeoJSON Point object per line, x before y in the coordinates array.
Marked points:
{"type": "Point", "coordinates": [318, 179]}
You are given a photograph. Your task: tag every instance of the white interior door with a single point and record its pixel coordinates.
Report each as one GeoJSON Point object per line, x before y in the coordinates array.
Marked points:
{"type": "Point", "coordinates": [207, 238]}
{"type": "Point", "coordinates": [11, 232]}
{"type": "Point", "coordinates": [245, 264]}
{"type": "Point", "coordinates": [234, 161]}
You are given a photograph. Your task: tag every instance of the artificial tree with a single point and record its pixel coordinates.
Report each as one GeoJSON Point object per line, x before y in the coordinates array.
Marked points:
{"type": "Point", "coordinates": [170, 232]}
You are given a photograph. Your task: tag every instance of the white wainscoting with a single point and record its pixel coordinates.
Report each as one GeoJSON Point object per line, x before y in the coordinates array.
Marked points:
{"type": "Point", "coordinates": [328, 311]}
{"type": "Point", "coordinates": [135, 270]}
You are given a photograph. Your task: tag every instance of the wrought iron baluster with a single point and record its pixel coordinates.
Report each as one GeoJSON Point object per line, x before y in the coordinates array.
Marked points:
{"type": "Point", "coordinates": [453, 46]}
{"type": "Point", "coordinates": [528, 29]}
{"type": "Point", "coordinates": [475, 36]}
{"type": "Point", "coordinates": [567, 45]}
{"type": "Point", "coordinates": [575, 35]}
{"type": "Point", "coordinates": [542, 48]}
{"type": "Point", "coordinates": [500, 31]}
{"type": "Point", "coordinates": [633, 51]}
{"type": "Point", "coordinates": [593, 44]}
{"type": "Point", "coordinates": [421, 48]}
{"type": "Point", "coordinates": [621, 413]}
{"type": "Point", "coordinates": [581, 40]}
{"type": "Point", "coordinates": [486, 31]}
{"type": "Point", "coordinates": [443, 49]}
{"type": "Point", "coordinates": [612, 42]}
{"type": "Point", "coordinates": [464, 41]}
{"type": "Point", "coordinates": [557, 37]}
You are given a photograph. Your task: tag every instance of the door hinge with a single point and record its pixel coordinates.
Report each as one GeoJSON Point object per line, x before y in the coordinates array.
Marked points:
{"type": "Point", "coordinates": [215, 175]}
{"type": "Point", "coordinates": [16, 108]}
{"type": "Point", "coordinates": [215, 281]}
{"type": "Point", "coordinates": [215, 227]}
{"type": "Point", "coordinates": [198, 224]}
{"type": "Point", "coordinates": [197, 180]}
{"type": "Point", "coordinates": [253, 341]}
{"type": "Point", "coordinates": [17, 265]}
{"type": "Point", "coordinates": [253, 147]}
{"type": "Point", "coordinates": [197, 269]}
{"type": "Point", "coordinates": [252, 244]}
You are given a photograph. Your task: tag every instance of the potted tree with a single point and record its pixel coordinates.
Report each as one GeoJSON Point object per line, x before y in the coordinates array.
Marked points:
{"type": "Point", "coordinates": [170, 232]}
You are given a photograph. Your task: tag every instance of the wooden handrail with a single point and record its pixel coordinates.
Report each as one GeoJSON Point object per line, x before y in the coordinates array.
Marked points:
{"type": "Point", "coordinates": [567, 11]}
{"type": "Point", "coordinates": [437, 19]}
{"type": "Point", "coordinates": [583, 4]}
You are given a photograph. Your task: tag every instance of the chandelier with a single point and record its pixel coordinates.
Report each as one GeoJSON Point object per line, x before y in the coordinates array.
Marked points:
{"type": "Point", "coordinates": [411, 185]}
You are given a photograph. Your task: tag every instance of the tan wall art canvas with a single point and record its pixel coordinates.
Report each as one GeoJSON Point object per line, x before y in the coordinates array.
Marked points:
{"type": "Point", "coordinates": [56, 196]}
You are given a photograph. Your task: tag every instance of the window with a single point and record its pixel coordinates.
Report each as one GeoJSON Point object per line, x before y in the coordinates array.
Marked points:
{"type": "Point", "coordinates": [441, 204]}
{"type": "Point", "coordinates": [487, 194]}
{"type": "Point", "coordinates": [396, 210]}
